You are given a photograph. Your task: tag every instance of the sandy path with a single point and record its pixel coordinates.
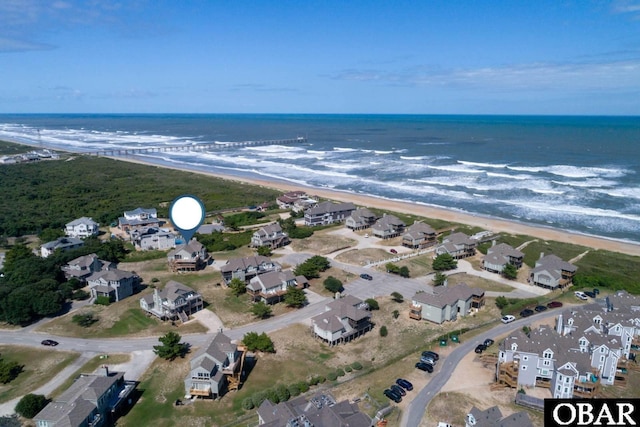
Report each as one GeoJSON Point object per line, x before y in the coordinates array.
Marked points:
{"type": "Point", "coordinates": [495, 225]}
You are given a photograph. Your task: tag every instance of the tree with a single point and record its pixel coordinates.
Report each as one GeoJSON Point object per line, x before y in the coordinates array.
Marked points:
{"type": "Point", "coordinates": [395, 314]}
{"type": "Point", "coordinates": [397, 296]}
{"type": "Point", "coordinates": [264, 251]}
{"type": "Point", "coordinates": [439, 279]}
{"type": "Point", "coordinates": [237, 286]}
{"type": "Point", "coordinates": [320, 262]}
{"type": "Point", "coordinates": [501, 302]}
{"type": "Point", "coordinates": [373, 304]}
{"type": "Point", "coordinates": [510, 271]}
{"type": "Point", "coordinates": [444, 262]}
{"type": "Point", "coordinates": [383, 331]}
{"type": "Point", "coordinates": [171, 346]}
{"type": "Point", "coordinates": [332, 284]}
{"type": "Point", "coordinates": [295, 297]}
{"type": "Point", "coordinates": [84, 319]}
{"type": "Point", "coordinates": [392, 268]}
{"type": "Point", "coordinates": [9, 371]}
{"type": "Point", "coordinates": [404, 271]}
{"type": "Point", "coordinates": [258, 342]}
{"type": "Point", "coordinates": [31, 404]}
{"type": "Point", "coordinates": [261, 310]}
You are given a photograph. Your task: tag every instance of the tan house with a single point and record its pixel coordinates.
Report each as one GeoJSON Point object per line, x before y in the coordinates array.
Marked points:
{"type": "Point", "coordinates": [326, 213]}
{"type": "Point", "coordinates": [247, 268]}
{"type": "Point", "coordinates": [270, 235]}
{"type": "Point", "coordinates": [552, 272]}
{"type": "Point", "coordinates": [190, 256]}
{"type": "Point", "coordinates": [419, 236]}
{"type": "Point", "coordinates": [360, 219]}
{"type": "Point", "coordinates": [446, 303]}
{"type": "Point", "coordinates": [388, 226]}
{"type": "Point", "coordinates": [343, 320]}
{"type": "Point", "coordinates": [175, 301]}
{"type": "Point", "coordinates": [498, 256]}
{"type": "Point", "coordinates": [114, 284]}
{"type": "Point", "coordinates": [271, 287]}
{"type": "Point", "coordinates": [83, 267]}
{"type": "Point", "coordinates": [458, 245]}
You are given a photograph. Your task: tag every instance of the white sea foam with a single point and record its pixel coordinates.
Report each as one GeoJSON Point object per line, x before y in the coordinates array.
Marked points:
{"type": "Point", "coordinates": [626, 192]}
{"type": "Point", "coordinates": [344, 149]}
{"type": "Point", "coordinates": [519, 177]}
{"type": "Point", "coordinates": [456, 168]}
{"type": "Point", "coordinates": [415, 157]}
{"type": "Point", "coordinates": [588, 183]}
{"type": "Point", "coordinates": [483, 165]}
{"type": "Point", "coordinates": [572, 171]}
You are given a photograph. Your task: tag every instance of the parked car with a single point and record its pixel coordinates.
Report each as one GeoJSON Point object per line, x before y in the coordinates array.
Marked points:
{"type": "Point", "coordinates": [424, 367]}
{"type": "Point", "coordinates": [432, 354]}
{"type": "Point", "coordinates": [596, 291]}
{"type": "Point", "coordinates": [488, 342]}
{"type": "Point", "coordinates": [540, 308]}
{"type": "Point", "coordinates": [554, 304]}
{"type": "Point", "coordinates": [366, 276]}
{"type": "Point", "coordinates": [480, 348]}
{"type": "Point", "coordinates": [428, 359]}
{"type": "Point", "coordinates": [526, 312]}
{"type": "Point", "coordinates": [393, 251]}
{"type": "Point", "coordinates": [507, 319]}
{"type": "Point", "coordinates": [404, 384]}
{"type": "Point", "coordinates": [398, 389]}
{"type": "Point", "coordinates": [49, 343]}
{"type": "Point", "coordinates": [580, 295]}
{"type": "Point", "coordinates": [590, 294]}
{"type": "Point", "coordinates": [392, 395]}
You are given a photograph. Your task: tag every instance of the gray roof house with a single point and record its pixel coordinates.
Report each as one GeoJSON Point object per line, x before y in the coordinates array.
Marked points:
{"type": "Point", "coordinates": [587, 347]}
{"type": "Point", "coordinates": [388, 226]}
{"type": "Point", "coordinates": [319, 410]}
{"type": "Point", "coordinates": [326, 213]}
{"type": "Point", "coordinates": [419, 236]}
{"type": "Point", "coordinates": [114, 284]}
{"type": "Point", "coordinates": [92, 400]}
{"type": "Point", "coordinates": [458, 245]}
{"type": "Point", "coordinates": [446, 304]}
{"type": "Point", "coordinates": [82, 227]}
{"type": "Point", "coordinates": [138, 218]}
{"type": "Point", "coordinates": [62, 243]}
{"type": "Point", "coordinates": [211, 366]}
{"type": "Point", "coordinates": [492, 417]}
{"type": "Point", "coordinates": [152, 238]}
{"type": "Point", "coordinates": [174, 301]}
{"type": "Point", "coordinates": [343, 320]}
{"type": "Point", "coordinates": [271, 235]}
{"type": "Point", "coordinates": [272, 286]}
{"type": "Point", "coordinates": [190, 256]}
{"type": "Point", "coordinates": [83, 267]}
{"type": "Point", "coordinates": [360, 219]}
{"type": "Point", "coordinates": [247, 268]}
{"type": "Point", "coordinates": [498, 256]}
{"type": "Point", "coordinates": [551, 272]}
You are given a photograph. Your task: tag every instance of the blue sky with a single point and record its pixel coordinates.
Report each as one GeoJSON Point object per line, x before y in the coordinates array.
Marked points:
{"type": "Point", "coordinates": [405, 57]}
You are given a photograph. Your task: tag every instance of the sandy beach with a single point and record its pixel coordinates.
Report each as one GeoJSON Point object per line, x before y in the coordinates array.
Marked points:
{"type": "Point", "coordinates": [490, 224]}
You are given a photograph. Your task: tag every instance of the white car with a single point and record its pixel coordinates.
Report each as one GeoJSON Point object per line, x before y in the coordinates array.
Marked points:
{"type": "Point", "coordinates": [581, 295]}
{"type": "Point", "coordinates": [508, 318]}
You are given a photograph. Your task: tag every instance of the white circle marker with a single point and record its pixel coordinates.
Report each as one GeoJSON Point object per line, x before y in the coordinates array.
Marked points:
{"type": "Point", "coordinates": [187, 214]}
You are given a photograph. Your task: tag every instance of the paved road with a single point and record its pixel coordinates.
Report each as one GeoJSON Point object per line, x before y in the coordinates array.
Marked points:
{"type": "Point", "coordinates": [412, 416]}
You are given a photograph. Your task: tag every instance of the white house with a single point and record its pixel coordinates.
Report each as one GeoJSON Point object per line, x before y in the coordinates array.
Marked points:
{"type": "Point", "coordinates": [82, 227]}
{"type": "Point", "coordinates": [63, 243]}
{"type": "Point", "coordinates": [114, 284]}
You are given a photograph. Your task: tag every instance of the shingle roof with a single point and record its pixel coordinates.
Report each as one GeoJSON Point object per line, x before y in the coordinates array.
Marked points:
{"type": "Point", "coordinates": [448, 295]}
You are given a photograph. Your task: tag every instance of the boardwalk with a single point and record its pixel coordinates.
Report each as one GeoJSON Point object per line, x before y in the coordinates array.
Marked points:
{"type": "Point", "coordinates": [205, 146]}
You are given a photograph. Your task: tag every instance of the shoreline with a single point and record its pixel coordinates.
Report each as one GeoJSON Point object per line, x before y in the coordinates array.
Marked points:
{"type": "Point", "coordinates": [495, 225]}
{"type": "Point", "coordinates": [491, 224]}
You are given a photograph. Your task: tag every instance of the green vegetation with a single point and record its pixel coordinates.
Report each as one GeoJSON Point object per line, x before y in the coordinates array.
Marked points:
{"type": "Point", "coordinates": [261, 310]}
{"type": "Point", "coordinates": [238, 220]}
{"type": "Point", "coordinates": [170, 346]}
{"type": "Point", "coordinates": [394, 269]}
{"type": "Point", "coordinates": [312, 267]}
{"type": "Point", "coordinates": [566, 251]}
{"type": "Point", "coordinates": [102, 189]}
{"type": "Point", "coordinates": [608, 270]}
{"type": "Point", "coordinates": [444, 262]}
{"type": "Point", "coordinates": [220, 242]}
{"type": "Point", "coordinates": [373, 304]}
{"type": "Point", "coordinates": [295, 297]}
{"type": "Point", "coordinates": [383, 331]}
{"type": "Point", "coordinates": [9, 370]}
{"type": "Point", "coordinates": [332, 284]}
{"type": "Point", "coordinates": [293, 231]}
{"type": "Point", "coordinates": [84, 319]}
{"type": "Point", "coordinates": [31, 404]}
{"type": "Point", "coordinates": [439, 279]}
{"type": "Point", "coordinates": [510, 271]}
{"type": "Point", "coordinates": [237, 286]}
{"type": "Point", "coordinates": [258, 342]}
{"type": "Point", "coordinates": [10, 149]}
{"type": "Point", "coordinates": [397, 297]}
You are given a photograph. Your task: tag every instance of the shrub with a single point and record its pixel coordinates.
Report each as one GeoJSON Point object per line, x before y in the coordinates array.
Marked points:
{"type": "Point", "coordinates": [294, 390]}
{"type": "Point", "coordinates": [332, 376]}
{"type": "Point", "coordinates": [303, 386]}
{"type": "Point", "coordinates": [397, 296]}
{"type": "Point", "coordinates": [395, 314]}
{"type": "Point", "coordinates": [31, 404]}
{"type": "Point", "coordinates": [339, 372]}
{"type": "Point", "coordinates": [283, 393]}
{"type": "Point", "coordinates": [84, 319]}
{"type": "Point", "coordinates": [356, 365]}
{"type": "Point", "coordinates": [258, 397]}
{"type": "Point", "coordinates": [80, 295]}
{"type": "Point", "coordinates": [103, 300]}
{"type": "Point", "coordinates": [247, 403]}
{"type": "Point", "coordinates": [383, 331]}
{"type": "Point", "coordinates": [273, 396]}
{"type": "Point", "coordinates": [332, 284]}
{"type": "Point", "coordinates": [348, 368]}
{"type": "Point", "coordinates": [373, 304]}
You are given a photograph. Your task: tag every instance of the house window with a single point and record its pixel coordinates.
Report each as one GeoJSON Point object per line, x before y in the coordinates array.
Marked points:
{"type": "Point", "coordinates": [525, 358]}
{"type": "Point", "coordinates": [546, 362]}
{"type": "Point", "coordinates": [566, 380]}
{"type": "Point", "coordinates": [545, 372]}
{"type": "Point", "coordinates": [566, 390]}
{"type": "Point", "coordinates": [524, 368]}
{"type": "Point", "coordinates": [547, 355]}
{"type": "Point", "coordinates": [601, 349]}
{"type": "Point", "coordinates": [601, 358]}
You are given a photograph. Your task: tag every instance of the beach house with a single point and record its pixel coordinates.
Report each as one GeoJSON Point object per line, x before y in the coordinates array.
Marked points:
{"type": "Point", "coordinates": [498, 256]}
{"type": "Point", "coordinates": [271, 287]}
{"type": "Point", "coordinates": [343, 320]}
{"type": "Point", "coordinates": [326, 213]}
{"type": "Point", "coordinates": [62, 243]}
{"type": "Point", "coordinates": [247, 268]}
{"type": "Point", "coordinates": [190, 256]}
{"type": "Point", "coordinates": [271, 236]}
{"type": "Point", "coordinates": [211, 367]}
{"type": "Point", "coordinates": [83, 267]}
{"type": "Point", "coordinates": [360, 219]}
{"type": "Point", "coordinates": [458, 245]}
{"type": "Point", "coordinates": [174, 301]}
{"type": "Point", "coordinates": [387, 227]}
{"type": "Point", "coordinates": [139, 218]}
{"type": "Point", "coordinates": [112, 283]}
{"type": "Point", "coordinates": [552, 272]}
{"type": "Point", "coordinates": [82, 228]}
{"type": "Point", "coordinates": [419, 236]}
{"type": "Point", "coordinates": [446, 303]}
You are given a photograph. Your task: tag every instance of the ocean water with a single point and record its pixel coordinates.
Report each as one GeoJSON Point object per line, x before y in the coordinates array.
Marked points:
{"type": "Point", "coordinates": [580, 174]}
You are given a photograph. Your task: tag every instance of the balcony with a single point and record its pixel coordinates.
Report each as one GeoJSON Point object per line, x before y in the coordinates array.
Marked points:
{"type": "Point", "coordinates": [415, 313]}
{"type": "Point", "coordinates": [205, 392]}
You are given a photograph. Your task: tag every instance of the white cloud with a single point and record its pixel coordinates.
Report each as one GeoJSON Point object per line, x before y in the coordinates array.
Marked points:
{"type": "Point", "coordinates": [15, 45]}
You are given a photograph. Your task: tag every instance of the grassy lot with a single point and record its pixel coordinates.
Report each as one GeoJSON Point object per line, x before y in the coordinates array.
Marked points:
{"type": "Point", "coordinates": [565, 251]}
{"type": "Point", "coordinates": [89, 368]}
{"type": "Point", "coordinates": [478, 282]}
{"type": "Point", "coordinates": [322, 243]}
{"type": "Point", "coordinates": [299, 355]}
{"type": "Point", "coordinates": [362, 256]}
{"type": "Point", "coordinates": [613, 270]}
{"type": "Point", "coordinates": [124, 318]}
{"type": "Point", "coordinates": [40, 366]}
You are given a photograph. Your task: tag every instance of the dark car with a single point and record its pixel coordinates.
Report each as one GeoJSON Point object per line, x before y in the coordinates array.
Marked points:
{"type": "Point", "coordinates": [404, 384]}
{"type": "Point", "coordinates": [428, 359]}
{"type": "Point", "coordinates": [424, 367]}
{"type": "Point", "coordinates": [488, 342]}
{"type": "Point", "coordinates": [366, 276]}
{"type": "Point", "coordinates": [398, 390]}
{"type": "Point", "coordinates": [480, 348]}
{"type": "Point", "coordinates": [393, 251]}
{"type": "Point", "coordinates": [526, 312]}
{"type": "Point", "coordinates": [596, 291]}
{"type": "Point", "coordinates": [554, 304]}
{"type": "Point", "coordinates": [392, 395]}
{"type": "Point", "coordinates": [432, 354]}
{"type": "Point", "coordinates": [590, 294]}
{"type": "Point", "coordinates": [540, 308]}
{"type": "Point", "coordinates": [50, 343]}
